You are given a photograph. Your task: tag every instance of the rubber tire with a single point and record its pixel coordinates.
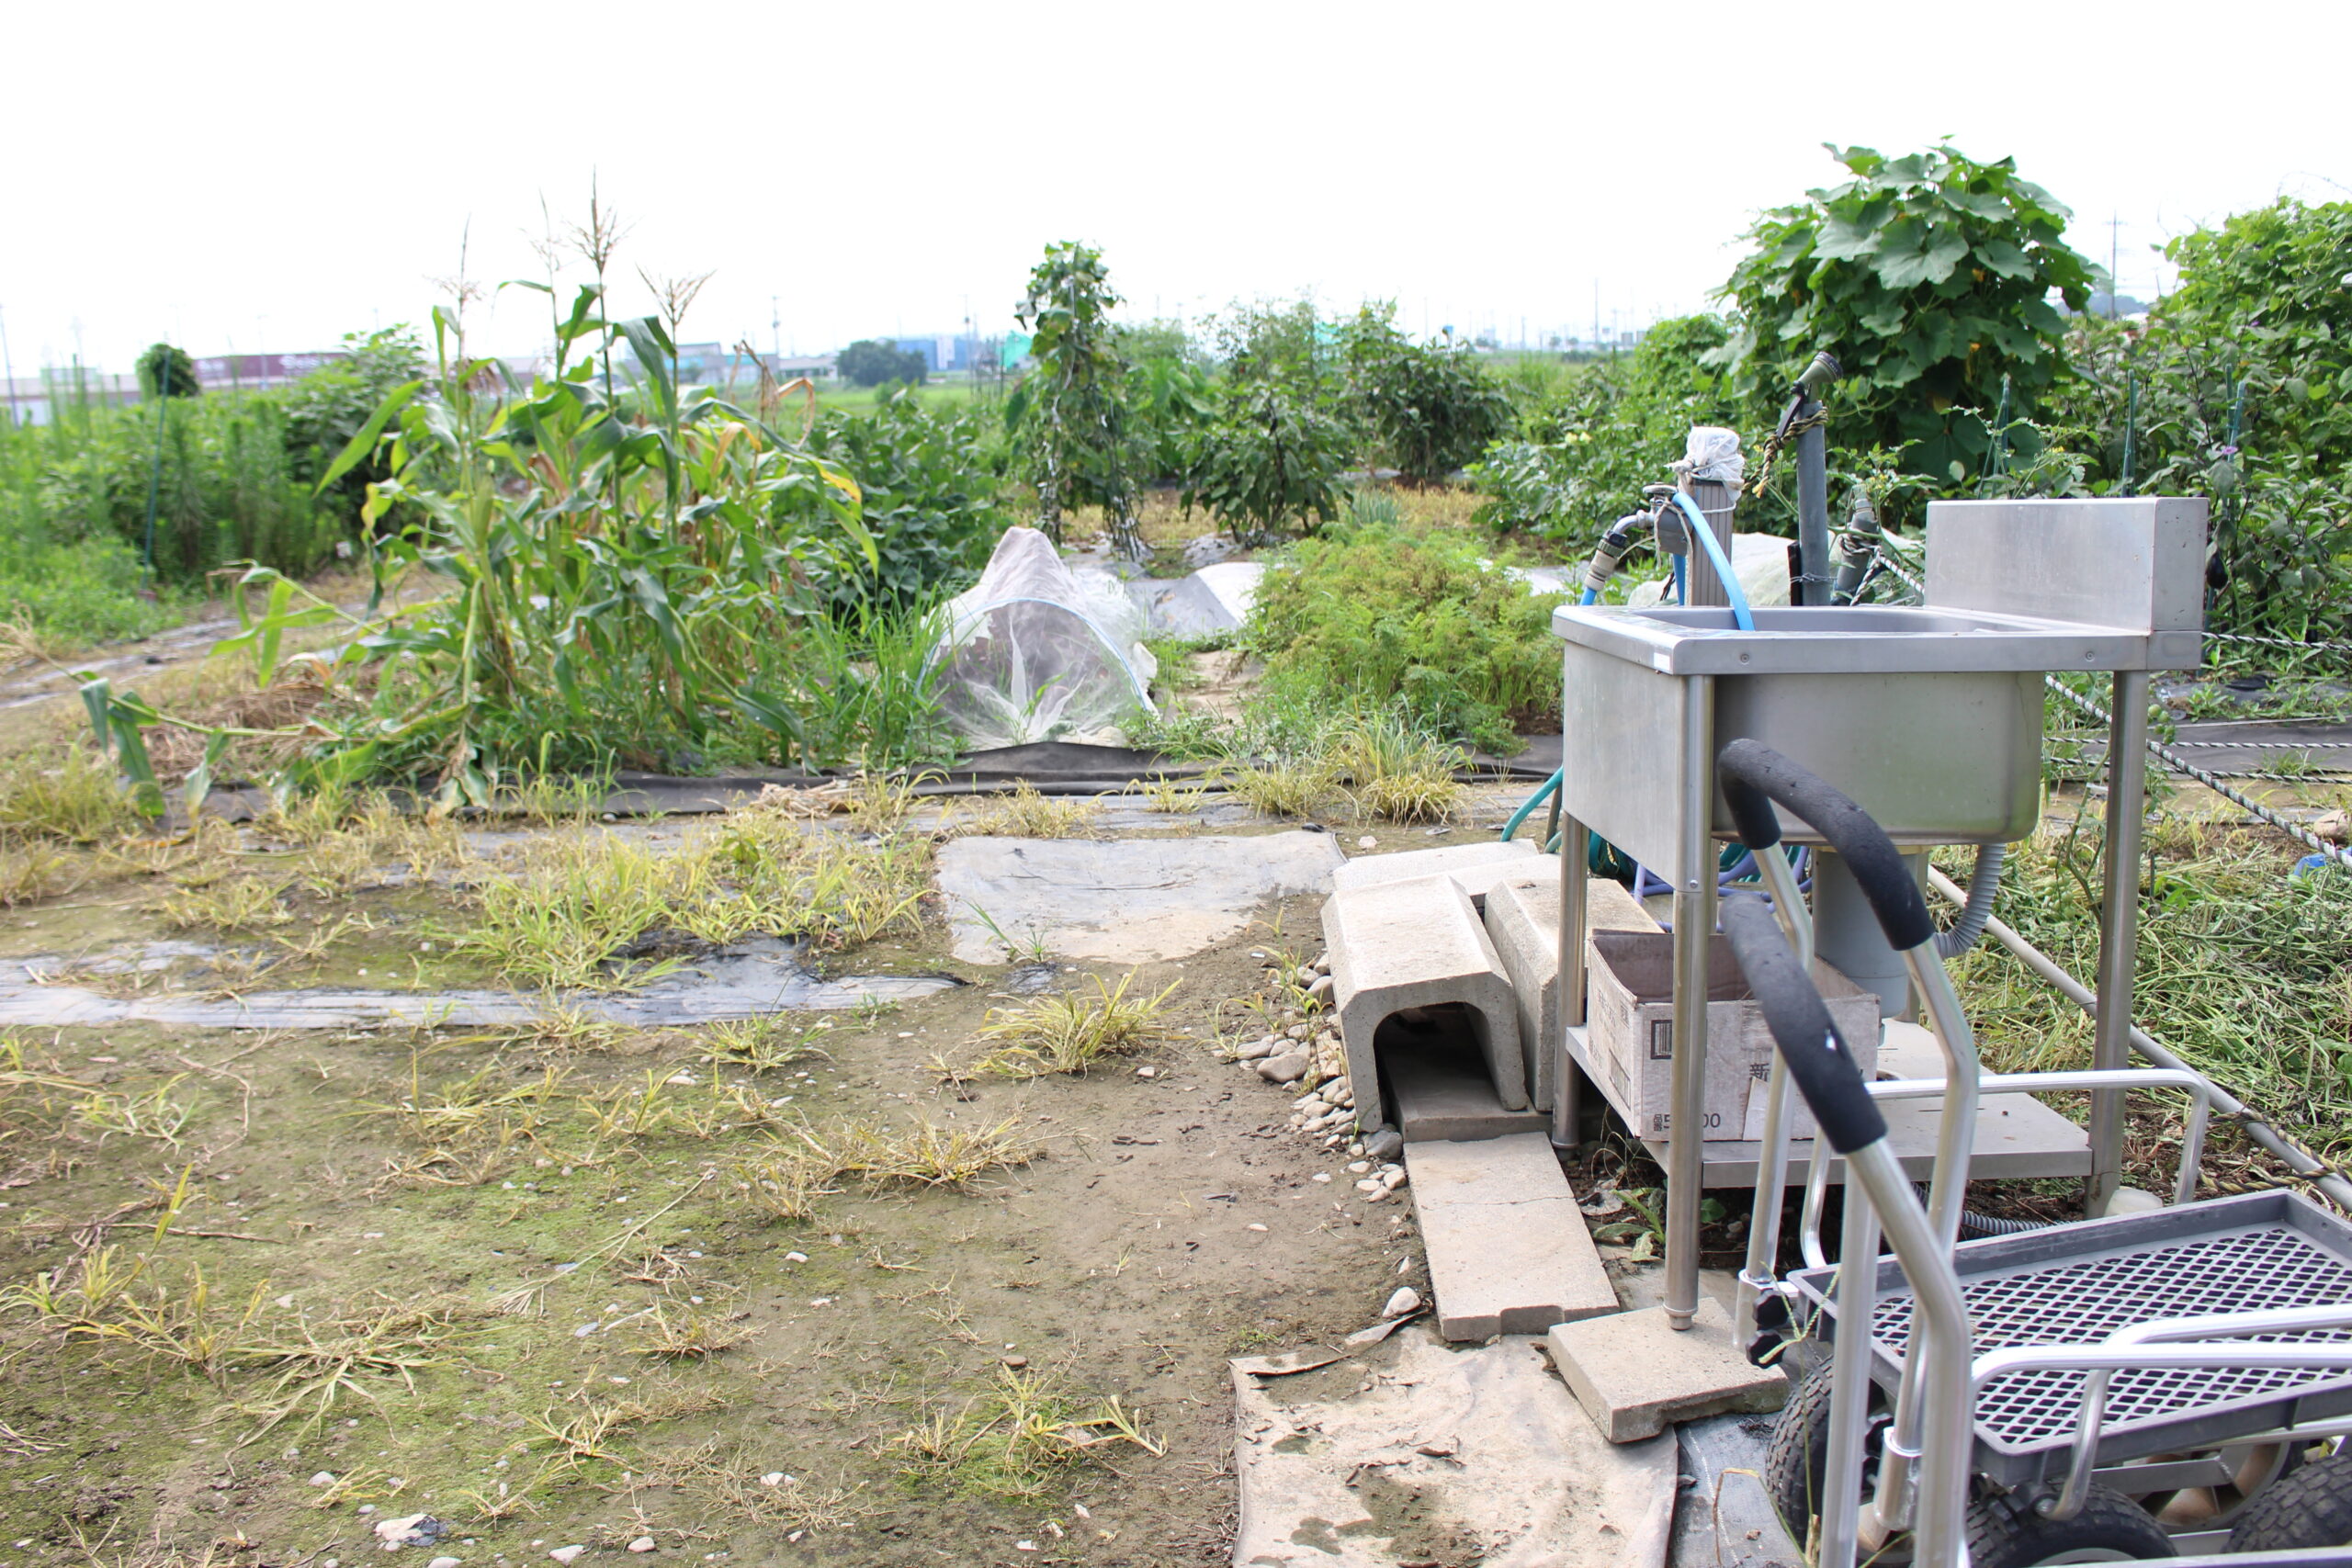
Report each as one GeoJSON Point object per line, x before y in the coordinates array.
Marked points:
{"type": "Point", "coordinates": [1799, 1451]}
{"type": "Point", "coordinates": [2110, 1528]}
{"type": "Point", "coordinates": [2303, 1510]}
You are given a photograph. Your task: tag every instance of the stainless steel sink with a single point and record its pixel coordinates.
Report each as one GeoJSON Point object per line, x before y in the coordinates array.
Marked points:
{"type": "Point", "coordinates": [1930, 716]}
{"type": "Point", "coordinates": [1877, 638]}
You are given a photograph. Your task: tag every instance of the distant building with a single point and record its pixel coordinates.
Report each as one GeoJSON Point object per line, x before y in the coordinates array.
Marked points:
{"type": "Point", "coordinates": [36, 400]}
{"type": "Point", "coordinates": [252, 371]}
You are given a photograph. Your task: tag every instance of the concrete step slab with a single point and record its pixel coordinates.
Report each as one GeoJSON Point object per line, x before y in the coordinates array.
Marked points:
{"type": "Point", "coordinates": [1522, 917]}
{"type": "Point", "coordinates": [1508, 1252]}
{"type": "Point", "coordinates": [1636, 1375]}
{"type": "Point", "coordinates": [1418, 943]}
{"type": "Point", "coordinates": [1473, 866]}
{"type": "Point", "coordinates": [1443, 1096]}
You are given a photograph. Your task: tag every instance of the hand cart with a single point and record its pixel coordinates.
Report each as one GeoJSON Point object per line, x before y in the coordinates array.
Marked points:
{"type": "Point", "coordinates": [2091, 1344]}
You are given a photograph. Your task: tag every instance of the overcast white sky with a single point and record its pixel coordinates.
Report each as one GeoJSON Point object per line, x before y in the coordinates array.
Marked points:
{"type": "Point", "coordinates": [255, 176]}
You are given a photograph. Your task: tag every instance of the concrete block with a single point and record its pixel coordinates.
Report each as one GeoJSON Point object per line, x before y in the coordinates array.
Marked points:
{"type": "Point", "coordinates": [1475, 863]}
{"type": "Point", "coordinates": [1411, 944]}
{"type": "Point", "coordinates": [1635, 1375]}
{"type": "Point", "coordinates": [1522, 917]}
{"type": "Point", "coordinates": [1508, 1251]}
{"type": "Point", "coordinates": [1444, 1096]}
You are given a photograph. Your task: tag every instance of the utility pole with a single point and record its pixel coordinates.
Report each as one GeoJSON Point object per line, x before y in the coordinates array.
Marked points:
{"type": "Point", "coordinates": [8, 366]}
{"type": "Point", "coordinates": [2114, 257]}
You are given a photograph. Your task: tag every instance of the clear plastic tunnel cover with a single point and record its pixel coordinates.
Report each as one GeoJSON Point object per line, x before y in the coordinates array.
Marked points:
{"type": "Point", "coordinates": [1034, 652]}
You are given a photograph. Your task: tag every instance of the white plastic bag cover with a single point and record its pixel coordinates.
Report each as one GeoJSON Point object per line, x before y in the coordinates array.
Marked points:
{"type": "Point", "coordinates": [1711, 453]}
{"type": "Point", "coordinates": [1034, 652]}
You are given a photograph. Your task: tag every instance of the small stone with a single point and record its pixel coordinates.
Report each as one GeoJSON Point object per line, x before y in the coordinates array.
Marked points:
{"type": "Point", "coordinates": [1371, 1184]}
{"type": "Point", "coordinates": [1288, 1067]}
{"type": "Point", "coordinates": [773, 1478]}
{"type": "Point", "coordinates": [1256, 1227]}
{"type": "Point", "coordinates": [1322, 964]}
{"type": "Point", "coordinates": [642, 1543]}
{"type": "Point", "coordinates": [1299, 1030]}
{"type": "Point", "coordinates": [566, 1554]}
{"type": "Point", "coordinates": [1147, 1072]}
{"type": "Point", "coordinates": [1261, 1046]}
{"type": "Point", "coordinates": [1320, 1176]}
{"type": "Point", "coordinates": [411, 1530]}
{"type": "Point", "coordinates": [1322, 989]}
{"type": "Point", "coordinates": [1384, 1143]}
{"type": "Point", "coordinates": [1367, 842]}
{"type": "Point", "coordinates": [444, 1563]}
{"type": "Point", "coordinates": [1016, 1362]}
{"type": "Point", "coordinates": [795, 1257]}
{"type": "Point", "coordinates": [1405, 1300]}
{"type": "Point", "coordinates": [324, 1478]}
{"type": "Point", "coordinates": [1359, 1166]}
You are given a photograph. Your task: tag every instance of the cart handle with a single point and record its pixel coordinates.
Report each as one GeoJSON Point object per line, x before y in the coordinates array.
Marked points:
{"type": "Point", "coordinates": [2200, 1090]}
{"type": "Point", "coordinates": [2203, 1327]}
{"type": "Point", "coordinates": [1826, 1073]}
{"type": "Point", "coordinates": [1754, 776]}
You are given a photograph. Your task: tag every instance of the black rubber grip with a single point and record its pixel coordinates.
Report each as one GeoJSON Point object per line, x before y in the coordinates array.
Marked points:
{"type": "Point", "coordinates": [1823, 1069]}
{"type": "Point", "coordinates": [1754, 776]}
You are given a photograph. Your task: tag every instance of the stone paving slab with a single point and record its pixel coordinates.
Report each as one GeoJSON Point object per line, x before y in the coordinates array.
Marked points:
{"type": "Point", "coordinates": [1508, 1251]}
{"type": "Point", "coordinates": [1522, 917]}
{"type": "Point", "coordinates": [1121, 900]}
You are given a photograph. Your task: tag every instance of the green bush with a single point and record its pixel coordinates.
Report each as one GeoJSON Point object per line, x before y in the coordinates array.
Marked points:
{"type": "Point", "coordinates": [1587, 447]}
{"type": "Point", "coordinates": [1272, 458]}
{"type": "Point", "coordinates": [1365, 617]}
{"type": "Point", "coordinates": [1429, 410]}
{"type": "Point", "coordinates": [929, 499]}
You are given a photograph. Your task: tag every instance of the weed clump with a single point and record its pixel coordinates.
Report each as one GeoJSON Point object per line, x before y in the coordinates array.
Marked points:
{"type": "Point", "coordinates": [1027, 813]}
{"type": "Point", "coordinates": [1015, 1438]}
{"type": "Point", "coordinates": [579, 911]}
{"type": "Point", "coordinates": [1070, 1034]}
{"type": "Point", "coordinates": [1399, 774]}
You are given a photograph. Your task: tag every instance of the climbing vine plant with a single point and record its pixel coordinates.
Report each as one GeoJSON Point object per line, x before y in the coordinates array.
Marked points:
{"type": "Point", "coordinates": [1929, 276]}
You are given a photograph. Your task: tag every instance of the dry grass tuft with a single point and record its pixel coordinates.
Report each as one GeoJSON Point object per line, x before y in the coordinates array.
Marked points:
{"type": "Point", "coordinates": [1027, 814]}
{"type": "Point", "coordinates": [1015, 1439]}
{"type": "Point", "coordinates": [1070, 1034]}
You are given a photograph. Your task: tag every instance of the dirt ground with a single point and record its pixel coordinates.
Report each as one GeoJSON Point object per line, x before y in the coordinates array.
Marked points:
{"type": "Point", "coordinates": [374, 1274]}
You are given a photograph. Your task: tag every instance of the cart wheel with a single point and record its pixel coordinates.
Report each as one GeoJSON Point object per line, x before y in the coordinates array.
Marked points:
{"type": "Point", "coordinates": [2308, 1509]}
{"type": "Point", "coordinates": [1799, 1454]}
{"type": "Point", "coordinates": [2111, 1529]}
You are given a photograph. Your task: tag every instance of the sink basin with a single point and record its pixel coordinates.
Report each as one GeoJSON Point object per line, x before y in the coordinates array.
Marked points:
{"type": "Point", "coordinates": [1878, 638]}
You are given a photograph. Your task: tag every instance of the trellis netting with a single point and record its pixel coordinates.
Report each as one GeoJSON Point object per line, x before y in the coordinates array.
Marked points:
{"type": "Point", "coordinates": [1036, 651]}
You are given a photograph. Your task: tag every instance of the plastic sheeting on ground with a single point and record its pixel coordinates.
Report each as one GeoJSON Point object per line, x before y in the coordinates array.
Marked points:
{"type": "Point", "coordinates": [1036, 651]}
{"type": "Point", "coordinates": [750, 979]}
{"type": "Point", "coordinates": [1412, 1452]}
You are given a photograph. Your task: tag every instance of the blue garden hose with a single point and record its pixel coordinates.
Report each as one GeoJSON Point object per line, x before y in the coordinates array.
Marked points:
{"type": "Point", "coordinates": [1742, 617]}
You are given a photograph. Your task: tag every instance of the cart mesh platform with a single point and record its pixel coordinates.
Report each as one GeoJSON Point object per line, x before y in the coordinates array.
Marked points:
{"type": "Point", "coordinates": [2077, 1284]}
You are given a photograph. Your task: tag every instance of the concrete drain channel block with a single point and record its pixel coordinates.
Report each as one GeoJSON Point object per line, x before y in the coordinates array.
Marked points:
{"type": "Point", "coordinates": [1523, 915]}
{"type": "Point", "coordinates": [1508, 1249]}
{"type": "Point", "coordinates": [1636, 1375]}
{"type": "Point", "coordinates": [1399, 945]}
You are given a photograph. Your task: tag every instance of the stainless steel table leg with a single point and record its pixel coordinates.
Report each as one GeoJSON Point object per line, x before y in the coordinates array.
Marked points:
{"type": "Point", "coordinates": [2119, 927]}
{"type": "Point", "coordinates": [1567, 1092]}
{"type": "Point", "coordinates": [1694, 922]}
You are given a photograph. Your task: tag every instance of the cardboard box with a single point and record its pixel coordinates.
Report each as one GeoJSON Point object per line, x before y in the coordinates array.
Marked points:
{"type": "Point", "coordinates": [1630, 1038]}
